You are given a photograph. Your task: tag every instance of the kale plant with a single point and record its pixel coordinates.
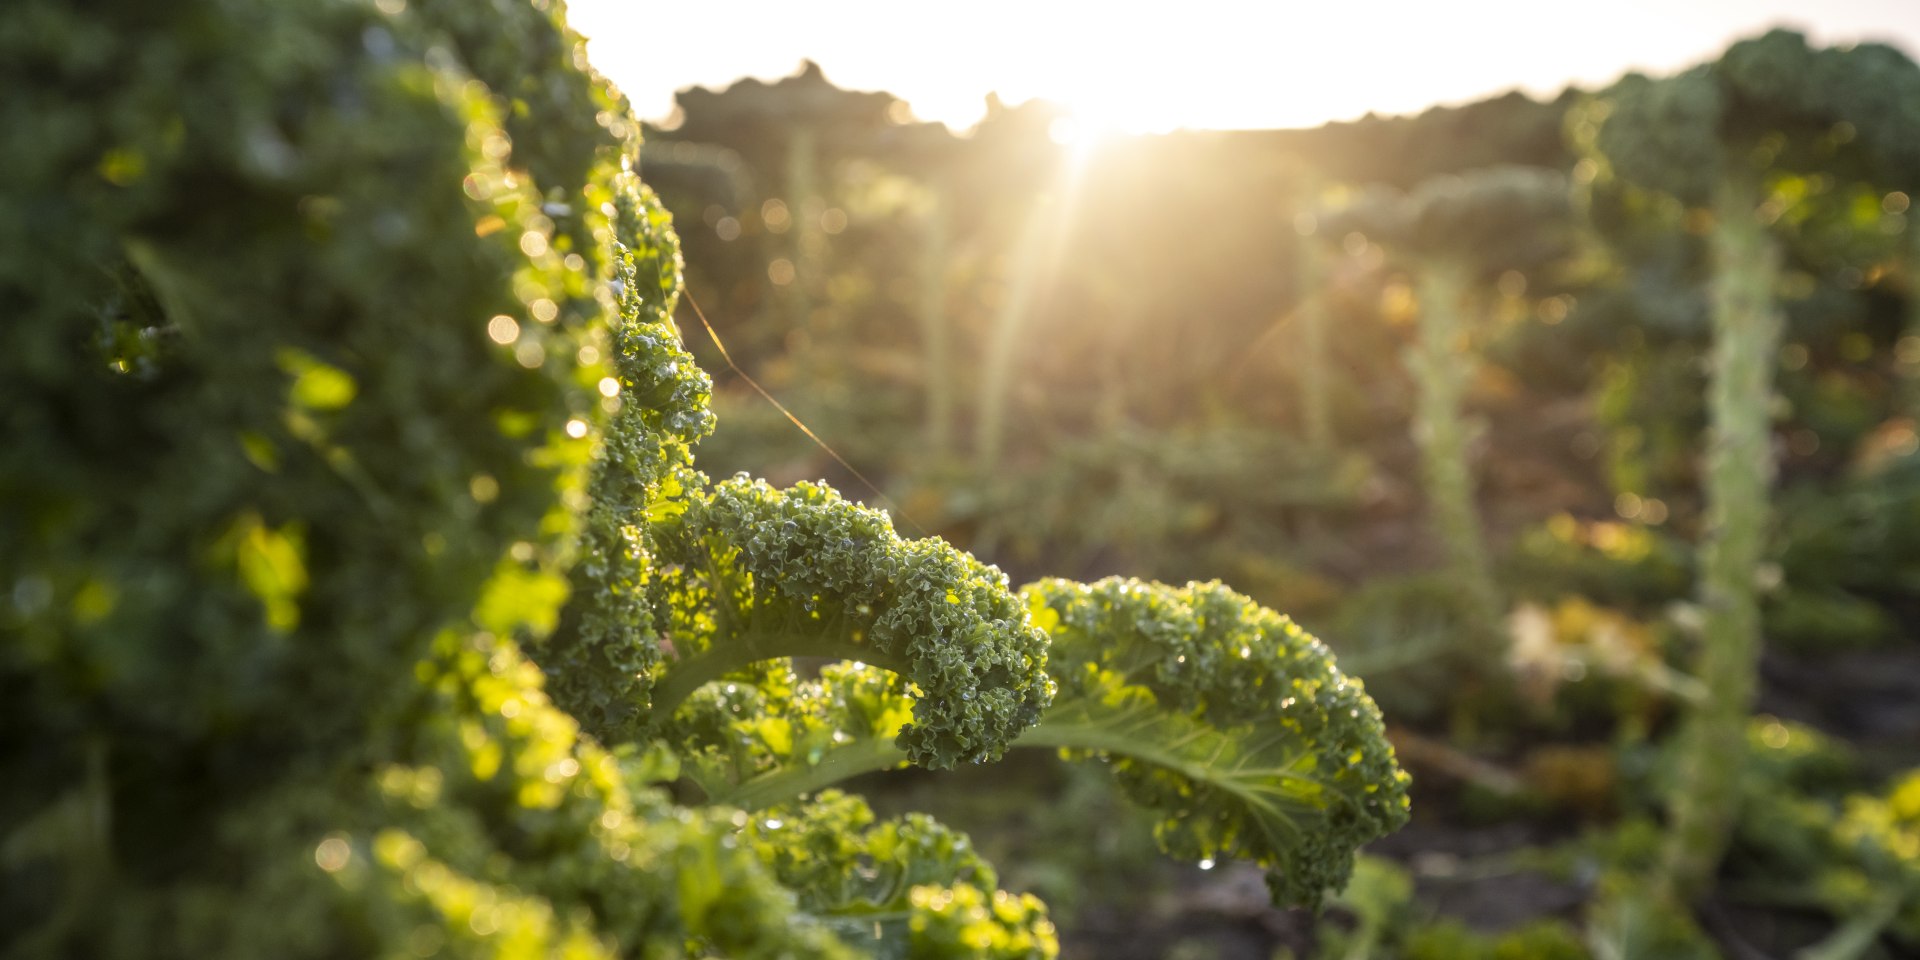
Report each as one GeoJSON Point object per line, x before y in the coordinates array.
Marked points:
{"type": "Point", "coordinates": [1720, 147]}
{"type": "Point", "coordinates": [357, 593]}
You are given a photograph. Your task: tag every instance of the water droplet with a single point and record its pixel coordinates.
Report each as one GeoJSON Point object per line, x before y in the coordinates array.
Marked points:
{"type": "Point", "coordinates": [378, 43]}
{"type": "Point", "coordinates": [32, 594]}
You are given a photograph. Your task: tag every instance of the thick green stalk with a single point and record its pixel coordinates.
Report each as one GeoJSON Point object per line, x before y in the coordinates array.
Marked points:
{"type": "Point", "coordinates": [785, 783]}
{"type": "Point", "coordinates": [1441, 366]}
{"type": "Point", "coordinates": [1747, 328]}
{"type": "Point", "coordinates": [1067, 726]}
{"type": "Point", "coordinates": [1075, 727]}
{"type": "Point", "coordinates": [936, 332]}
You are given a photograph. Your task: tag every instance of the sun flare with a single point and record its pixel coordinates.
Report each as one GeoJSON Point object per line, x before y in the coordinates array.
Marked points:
{"type": "Point", "coordinates": [1209, 64]}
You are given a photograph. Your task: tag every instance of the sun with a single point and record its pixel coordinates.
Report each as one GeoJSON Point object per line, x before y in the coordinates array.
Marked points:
{"type": "Point", "coordinates": [1082, 136]}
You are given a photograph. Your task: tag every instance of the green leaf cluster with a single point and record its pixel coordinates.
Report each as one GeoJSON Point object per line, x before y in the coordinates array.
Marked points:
{"type": "Point", "coordinates": [911, 886]}
{"type": "Point", "coordinates": [1769, 102]}
{"type": "Point", "coordinates": [1227, 721]}
{"type": "Point", "coordinates": [749, 572]}
{"type": "Point", "coordinates": [1807, 839]}
{"type": "Point", "coordinates": [1483, 222]}
{"type": "Point", "coordinates": [1223, 719]}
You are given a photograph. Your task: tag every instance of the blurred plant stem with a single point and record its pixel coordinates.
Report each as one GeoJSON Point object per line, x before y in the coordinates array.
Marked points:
{"type": "Point", "coordinates": [805, 207]}
{"type": "Point", "coordinates": [1038, 239]}
{"type": "Point", "coordinates": [1441, 366]}
{"type": "Point", "coordinates": [1857, 936]}
{"type": "Point", "coordinates": [1747, 329]}
{"type": "Point", "coordinates": [1907, 348]}
{"type": "Point", "coordinates": [1312, 280]}
{"type": "Point", "coordinates": [936, 332]}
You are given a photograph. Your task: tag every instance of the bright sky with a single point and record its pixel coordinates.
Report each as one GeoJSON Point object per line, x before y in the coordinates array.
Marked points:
{"type": "Point", "coordinates": [1143, 67]}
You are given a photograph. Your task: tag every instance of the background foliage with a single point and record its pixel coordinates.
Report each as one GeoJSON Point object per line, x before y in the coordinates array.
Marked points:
{"type": "Point", "coordinates": [1200, 354]}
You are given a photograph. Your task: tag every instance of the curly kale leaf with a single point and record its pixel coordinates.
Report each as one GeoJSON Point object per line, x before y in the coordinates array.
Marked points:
{"type": "Point", "coordinates": [600, 662]}
{"type": "Point", "coordinates": [1778, 83]}
{"type": "Point", "coordinates": [750, 744]}
{"type": "Point", "coordinates": [748, 573]}
{"type": "Point", "coordinates": [907, 888]}
{"type": "Point", "coordinates": [1221, 716]}
{"type": "Point", "coordinates": [493, 771]}
{"type": "Point", "coordinates": [1774, 102]}
{"type": "Point", "coordinates": [1658, 134]}
{"type": "Point", "coordinates": [1485, 222]}
{"type": "Point", "coordinates": [1226, 719]}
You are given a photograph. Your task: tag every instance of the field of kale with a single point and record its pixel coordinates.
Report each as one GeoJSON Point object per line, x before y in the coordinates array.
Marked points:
{"type": "Point", "coordinates": [1492, 533]}
{"type": "Point", "coordinates": [1443, 388]}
